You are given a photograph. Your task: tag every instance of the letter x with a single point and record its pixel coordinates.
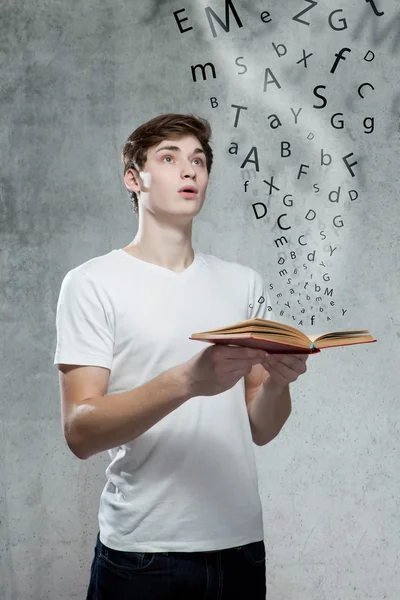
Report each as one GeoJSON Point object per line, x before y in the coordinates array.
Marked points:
{"type": "Point", "coordinates": [271, 185]}
{"type": "Point", "coordinates": [304, 58]}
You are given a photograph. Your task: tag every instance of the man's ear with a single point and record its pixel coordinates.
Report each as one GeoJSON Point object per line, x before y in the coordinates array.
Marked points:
{"type": "Point", "coordinates": [132, 180]}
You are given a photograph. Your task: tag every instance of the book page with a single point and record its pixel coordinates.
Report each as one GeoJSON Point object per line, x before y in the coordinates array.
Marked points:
{"type": "Point", "coordinates": [257, 323]}
{"type": "Point", "coordinates": [338, 334]}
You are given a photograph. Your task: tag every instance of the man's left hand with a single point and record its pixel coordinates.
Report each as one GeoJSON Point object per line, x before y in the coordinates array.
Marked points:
{"type": "Point", "coordinates": [284, 368]}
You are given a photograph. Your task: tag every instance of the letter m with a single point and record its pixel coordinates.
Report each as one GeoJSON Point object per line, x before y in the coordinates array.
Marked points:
{"type": "Point", "coordinates": [225, 26]}
{"type": "Point", "coordinates": [280, 240]}
{"type": "Point", "coordinates": [203, 70]}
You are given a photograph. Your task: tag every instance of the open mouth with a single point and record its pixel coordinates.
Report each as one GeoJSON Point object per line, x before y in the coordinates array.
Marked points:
{"type": "Point", "coordinates": [188, 193]}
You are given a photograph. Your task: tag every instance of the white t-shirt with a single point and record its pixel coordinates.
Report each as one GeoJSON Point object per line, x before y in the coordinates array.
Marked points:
{"type": "Point", "coordinates": [190, 482]}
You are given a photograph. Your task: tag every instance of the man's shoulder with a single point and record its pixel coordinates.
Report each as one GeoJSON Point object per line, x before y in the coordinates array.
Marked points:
{"type": "Point", "coordinates": [96, 268]}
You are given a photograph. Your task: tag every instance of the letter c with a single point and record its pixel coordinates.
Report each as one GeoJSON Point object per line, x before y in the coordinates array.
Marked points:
{"type": "Point", "coordinates": [279, 222]}
{"type": "Point", "coordinates": [363, 85]}
{"type": "Point", "coordinates": [300, 241]}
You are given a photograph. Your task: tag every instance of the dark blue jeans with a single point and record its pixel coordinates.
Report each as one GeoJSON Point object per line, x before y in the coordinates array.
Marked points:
{"type": "Point", "coordinates": [234, 573]}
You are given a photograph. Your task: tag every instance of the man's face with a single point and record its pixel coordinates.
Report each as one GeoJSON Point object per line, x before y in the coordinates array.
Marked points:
{"type": "Point", "coordinates": [171, 166]}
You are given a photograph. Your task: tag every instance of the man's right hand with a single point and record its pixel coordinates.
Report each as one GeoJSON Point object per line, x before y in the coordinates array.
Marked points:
{"type": "Point", "coordinates": [218, 368]}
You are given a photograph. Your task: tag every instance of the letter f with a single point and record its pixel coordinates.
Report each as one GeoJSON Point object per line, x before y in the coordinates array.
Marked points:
{"type": "Point", "coordinates": [339, 56]}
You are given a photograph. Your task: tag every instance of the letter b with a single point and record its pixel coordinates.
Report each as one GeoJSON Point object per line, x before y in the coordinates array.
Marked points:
{"type": "Point", "coordinates": [323, 158]}
{"type": "Point", "coordinates": [285, 147]}
{"type": "Point", "coordinates": [276, 48]}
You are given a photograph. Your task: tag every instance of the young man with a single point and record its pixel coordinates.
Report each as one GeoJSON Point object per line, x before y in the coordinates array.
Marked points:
{"type": "Point", "coordinates": [180, 515]}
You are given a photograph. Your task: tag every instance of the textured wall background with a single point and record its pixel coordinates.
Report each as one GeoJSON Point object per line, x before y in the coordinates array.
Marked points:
{"type": "Point", "coordinates": [76, 79]}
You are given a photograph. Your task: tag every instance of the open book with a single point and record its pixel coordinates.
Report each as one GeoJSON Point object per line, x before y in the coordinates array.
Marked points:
{"type": "Point", "coordinates": [278, 338]}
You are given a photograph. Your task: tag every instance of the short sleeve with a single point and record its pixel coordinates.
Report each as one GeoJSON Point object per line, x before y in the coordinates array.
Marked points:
{"type": "Point", "coordinates": [83, 322]}
{"type": "Point", "coordinates": [259, 301]}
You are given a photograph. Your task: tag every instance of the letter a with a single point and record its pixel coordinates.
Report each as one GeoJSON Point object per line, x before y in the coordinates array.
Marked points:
{"type": "Point", "coordinates": [266, 82]}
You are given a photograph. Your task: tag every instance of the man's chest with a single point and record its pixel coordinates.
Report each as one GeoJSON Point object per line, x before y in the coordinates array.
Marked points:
{"type": "Point", "coordinates": [153, 318]}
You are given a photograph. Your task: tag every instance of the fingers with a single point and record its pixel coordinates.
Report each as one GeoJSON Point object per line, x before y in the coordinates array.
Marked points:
{"type": "Point", "coordinates": [244, 364]}
{"type": "Point", "coordinates": [242, 353]}
{"type": "Point", "coordinates": [240, 356]}
{"type": "Point", "coordinates": [289, 359]}
{"type": "Point", "coordinates": [287, 362]}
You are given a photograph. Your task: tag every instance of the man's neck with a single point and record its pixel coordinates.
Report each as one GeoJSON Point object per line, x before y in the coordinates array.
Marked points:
{"type": "Point", "coordinates": [177, 259]}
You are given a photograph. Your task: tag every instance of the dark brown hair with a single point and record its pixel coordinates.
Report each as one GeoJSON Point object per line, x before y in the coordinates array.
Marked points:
{"type": "Point", "coordinates": [153, 132]}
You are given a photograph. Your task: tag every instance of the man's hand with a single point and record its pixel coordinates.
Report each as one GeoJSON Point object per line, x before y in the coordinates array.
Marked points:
{"type": "Point", "coordinates": [284, 368]}
{"type": "Point", "coordinates": [218, 368]}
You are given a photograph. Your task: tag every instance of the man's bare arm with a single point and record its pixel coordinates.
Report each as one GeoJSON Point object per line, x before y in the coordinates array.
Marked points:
{"type": "Point", "coordinates": [93, 422]}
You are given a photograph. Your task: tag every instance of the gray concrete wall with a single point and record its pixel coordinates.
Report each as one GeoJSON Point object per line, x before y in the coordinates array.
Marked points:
{"type": "Point", "coordinates": [76, 79]}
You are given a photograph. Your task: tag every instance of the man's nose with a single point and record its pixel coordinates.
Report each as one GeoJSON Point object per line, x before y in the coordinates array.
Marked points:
{"type": "Point", "coordinates": [189, 171]}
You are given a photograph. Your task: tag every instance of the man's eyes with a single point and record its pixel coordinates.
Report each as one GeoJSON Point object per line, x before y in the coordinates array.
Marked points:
{"type": "Point", "coordinates": [198, 159]}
